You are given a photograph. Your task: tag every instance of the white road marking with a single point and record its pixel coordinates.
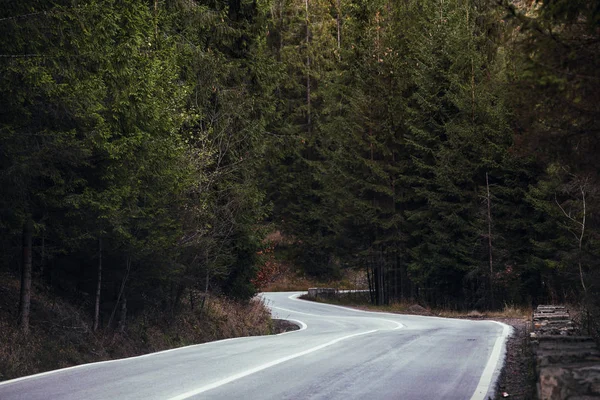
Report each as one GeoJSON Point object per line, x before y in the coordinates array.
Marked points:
{"type": "Point", "coordinates": [254, 370]}
{"type": "Point", "coordinates": [483, 387]}
{"type": "Point", "coordinates": [398, 324]}
{"type": "Point", "coordinates": [92, 364]}
{"type": "Point", "coordinates": [296, 312]}
{"type": "Point", "coordinates": [303, 326]}
{"type": "Point", "coordinates": [485, 381]}
{"type": "Point", "coordinates": [296, 295]}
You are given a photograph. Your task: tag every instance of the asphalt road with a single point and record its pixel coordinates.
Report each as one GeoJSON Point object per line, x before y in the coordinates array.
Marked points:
{"type": "Point", "coordinates": [339, 353]}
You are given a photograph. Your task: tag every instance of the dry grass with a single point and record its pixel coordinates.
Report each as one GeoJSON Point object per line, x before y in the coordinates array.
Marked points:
{"type": "Point", "coordinates": [220, 318]}
{"type": "Point", "coordinates": [361, 300]}
{"type": "Point", "coordinates": [509, 311]}
{"type": "Point", "coordinates": [61, 335]}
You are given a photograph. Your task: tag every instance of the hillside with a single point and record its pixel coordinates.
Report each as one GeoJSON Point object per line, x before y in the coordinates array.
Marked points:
{"type": "Point", "coordinates": [61, 334]}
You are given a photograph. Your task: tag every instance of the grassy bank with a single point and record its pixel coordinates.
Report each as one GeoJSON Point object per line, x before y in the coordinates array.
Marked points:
{"type": "Point", "coordinates": [361, 300]}
{"type": "Point", "coordinates": [61, 334]}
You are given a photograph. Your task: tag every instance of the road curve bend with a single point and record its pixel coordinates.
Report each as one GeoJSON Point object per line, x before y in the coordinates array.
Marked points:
{"type": "Point", "coordinates": [339, 353]}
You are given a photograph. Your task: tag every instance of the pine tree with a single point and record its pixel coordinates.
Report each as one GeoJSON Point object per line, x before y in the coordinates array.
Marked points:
{"type": "Point", "coordinates": [369, 130]}
{"type": "Point", "coordinates": [303, 204]}
{"type": "Point", "coordinates": [556, 96]}
{"type": "Point", "coordinates": [458, 135]}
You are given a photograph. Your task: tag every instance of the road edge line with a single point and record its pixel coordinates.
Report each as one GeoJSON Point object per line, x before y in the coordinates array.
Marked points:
{"type": "Point", "coordinates": [262, 367]}
{"type": "Point", "coordinates": [398, 324]}
{"type": "Point", "coordinates": [498, 353]}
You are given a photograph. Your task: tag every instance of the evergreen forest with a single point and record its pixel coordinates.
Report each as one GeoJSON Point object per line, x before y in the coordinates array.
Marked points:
{"type": "Point", "coordinates": [448, 148]}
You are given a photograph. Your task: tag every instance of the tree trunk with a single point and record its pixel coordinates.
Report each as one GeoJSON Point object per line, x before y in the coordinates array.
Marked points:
{"type": "Point", "coordinates": [386, 284]}
{"type": "Point", "coordinates": [98, 288]}
{"type": "Point", "coordinates": [123, 314]}
{"type": "Point", "coordinates": [580, 236]}
{"type": "Point", "coordinates": [25, 297]}
{"type": "Point", "coordinates": [280, 31]}
{"type": "Point", "coordinates": [489, 215]}
{"type": "Point", "coordinates": [178, 294]}
{"type": "Point", "coordinates": [581, 241]}
{"type": "Point", "coordinates": [121, 291]}
{"type": "Point", "coordinates": [308, 116]}
{"type": "Point", "coordinates": [381, 286]}
{"type": "Point", "coordinates": [396, 298]}
{"type": "Point", "coordinates": [206, 286]}
{"type": "Point", "coordinates": [371, 285]}
{"type": "Point", "coordinates": [156, 19]}
{"type": "Point", "coordinates": [339, 28]}
{"type": "Point", "coordinates": [43, 256]}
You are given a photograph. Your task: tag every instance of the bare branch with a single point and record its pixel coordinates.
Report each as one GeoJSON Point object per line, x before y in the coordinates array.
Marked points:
{"type": "Point", "coordinates": [565, 213]}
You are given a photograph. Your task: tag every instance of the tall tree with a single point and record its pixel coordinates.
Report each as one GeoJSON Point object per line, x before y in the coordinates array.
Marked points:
{"type": "Point", "coordinates": [556, 96]}
{"type": "Point", "coordinates": [458, 133]}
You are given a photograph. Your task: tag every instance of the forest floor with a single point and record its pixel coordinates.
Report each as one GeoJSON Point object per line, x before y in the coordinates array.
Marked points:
{"type": "Point", "coordinates": [61, 335]}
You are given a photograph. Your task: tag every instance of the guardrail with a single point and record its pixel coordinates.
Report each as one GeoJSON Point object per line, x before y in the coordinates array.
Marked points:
{"type": "Point", "coordinates": [321, 292]}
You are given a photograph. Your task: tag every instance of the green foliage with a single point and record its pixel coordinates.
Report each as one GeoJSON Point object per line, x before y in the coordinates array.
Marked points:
{"type": "Point", "coordinates": [136, 124]}
{"type": "Point", "coordinates": [556, 96]}
{"type": "Point", "coordinates": [383, 136]}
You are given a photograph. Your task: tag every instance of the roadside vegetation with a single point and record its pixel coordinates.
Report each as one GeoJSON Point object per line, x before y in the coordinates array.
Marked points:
{"type": "Point", "coordinates": [361, 299]}
{"type": "Point", "coordinates": [62, 335]}
{"type": "Point", "coordinates": [161, 157]}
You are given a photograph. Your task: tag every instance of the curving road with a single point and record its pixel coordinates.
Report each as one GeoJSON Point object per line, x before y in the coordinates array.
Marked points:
{"type": "Point", "coordinates": [339, 353]}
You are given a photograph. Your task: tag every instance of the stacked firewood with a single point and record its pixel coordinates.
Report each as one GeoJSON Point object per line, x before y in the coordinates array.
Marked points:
{"type": "Point", "coordinates": [567, 364]}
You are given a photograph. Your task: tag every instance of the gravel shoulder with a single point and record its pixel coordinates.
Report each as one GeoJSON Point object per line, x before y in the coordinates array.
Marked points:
{"type": "Point", "coordinates": [517, 378]}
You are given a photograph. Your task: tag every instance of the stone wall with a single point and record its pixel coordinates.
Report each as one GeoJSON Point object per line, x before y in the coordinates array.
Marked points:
{"type": "Point", "coordinates": [567, 363]}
